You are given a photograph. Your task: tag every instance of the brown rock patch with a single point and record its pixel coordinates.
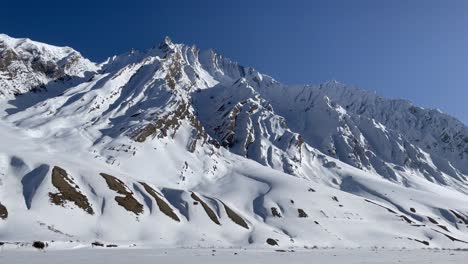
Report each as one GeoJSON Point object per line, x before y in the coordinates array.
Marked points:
{"type": "Point", "coordinates": [235, 217]}
{"type": "Point", "coordinates": [163, 206]}
{"type": "Point", "coordinates": [208, 210]}
{"type": "Point", "coordinates": [127, 201]}
{"type": "Point", "coordinates": [272, 242]}
{"type": "Point", "coordinates": [3, 212]}
{"type": "Point", "coordinates": [275, 212]}
{"type": "Point", "coordinates": [432, 220]}
{"type": "Point", "coordinates": [68, 191]}
{"type": "Point", "coordinates": [171, 122]}
{"type": "Point", "coordinates": [420, 241]}
{"type": "Point", "coordinates": [302, 213]}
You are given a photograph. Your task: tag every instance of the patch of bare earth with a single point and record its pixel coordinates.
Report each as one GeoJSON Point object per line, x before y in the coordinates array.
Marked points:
{"type": "Point", "coordinates": [68, 191]}
{"type": "Point", "coordinates": [163, 206]}
{"type": "Point", "coordinates": [127, 201]}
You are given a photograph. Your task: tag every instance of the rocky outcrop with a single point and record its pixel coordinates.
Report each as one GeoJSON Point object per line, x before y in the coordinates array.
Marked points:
{"type": "Point", "coordinates": [68, 191]}
{"type": "Point", "coordinates": [3, 212]}
{"type": "Point", "coordinates": [163, 206]}
{"type": "Point", "coordinates": [211, 214]}
{"type": "Point", "coordinates": [126, 200]}
{"type": "Point", "coordinates": [236, 218]}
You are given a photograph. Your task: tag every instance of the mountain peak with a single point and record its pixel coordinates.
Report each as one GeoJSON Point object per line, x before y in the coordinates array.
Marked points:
{"type": "Point", "coordinates": [29, 65]}
{"type": "Point", "coordinates": [12, 42]}
{"type": "Point", "coordinates": [4, 36]}
{"type": "Point", "coordinates": [332, 83]}
{"type": "Point", "coordinates": [166, 44]}
{"type": "Point", "coordinates": [167, 40]}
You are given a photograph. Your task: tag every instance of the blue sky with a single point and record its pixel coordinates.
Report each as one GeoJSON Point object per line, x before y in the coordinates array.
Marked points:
{"type": "Point", "coordinates": [416, 50]}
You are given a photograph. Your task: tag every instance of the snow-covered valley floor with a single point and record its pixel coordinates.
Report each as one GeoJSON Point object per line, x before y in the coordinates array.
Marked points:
{"type": "Point", "coordinates": [206, 256]}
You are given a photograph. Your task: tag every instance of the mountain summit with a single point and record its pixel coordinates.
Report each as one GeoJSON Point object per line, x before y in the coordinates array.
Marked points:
{"type": "Point", "coordinates": [186, 147]}
{"type": "Point", "coordinates": [27, 65]}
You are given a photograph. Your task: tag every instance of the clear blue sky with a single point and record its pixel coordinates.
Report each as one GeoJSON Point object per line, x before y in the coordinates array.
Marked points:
{"type": "Point", "coordinates": [417, 50]}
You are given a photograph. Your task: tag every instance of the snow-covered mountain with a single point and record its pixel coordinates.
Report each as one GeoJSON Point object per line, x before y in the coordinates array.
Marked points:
{"type": "Point", "coordinates": [185, 147]}
{"type": "Point", "coordinates": [27, 65]}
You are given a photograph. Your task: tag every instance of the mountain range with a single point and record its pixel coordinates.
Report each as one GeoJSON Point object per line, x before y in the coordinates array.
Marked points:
{"type": "Point", "coordinates": [177, 146]}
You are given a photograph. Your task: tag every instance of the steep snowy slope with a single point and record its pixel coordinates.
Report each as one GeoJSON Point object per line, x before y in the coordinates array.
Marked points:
{"type": "Point", "coordinates": [185, 147]}
{"type": "Point", "coordinates": [70, 195]}
{"type": "Point", "coordinates": [440, 135]}
{"type": "Point", "coordinates": [391, 137]}
{"type": "Point", "coordinates": [246, 124]}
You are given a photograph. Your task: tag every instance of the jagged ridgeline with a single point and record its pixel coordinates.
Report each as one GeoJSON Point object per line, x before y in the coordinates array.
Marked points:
{"type": "Point", "coordinates": [186, 147]}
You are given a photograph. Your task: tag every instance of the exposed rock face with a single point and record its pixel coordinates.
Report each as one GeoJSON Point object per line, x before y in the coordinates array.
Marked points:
{"type": "Point", "coordinates": [163, 205]}
{"type": "Point", "coordinates": [3, 212]}
{"type": "Point", "coordinates": [68, 191]}
{"type": "Point", "coordinates": [127, 201]}
{"type": "Point", "coordinates": [169, 123]}
{"type": "Point", "coordinates": [207, 209]}
{"type": "Point", "coordinates": [248, 126]}
{"type": "Point", "coordinates": [302, 213]}
{"type": "Point", "coordinates": [272, 242]}
{"type": "Point", "coordinates": [236, 218]}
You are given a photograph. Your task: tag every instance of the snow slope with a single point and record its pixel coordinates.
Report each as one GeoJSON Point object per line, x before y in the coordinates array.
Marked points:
{"type": "Point", "coordinates": [183, 147]}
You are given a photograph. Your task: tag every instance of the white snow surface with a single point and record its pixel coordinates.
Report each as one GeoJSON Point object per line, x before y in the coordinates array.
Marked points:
{"type": "Point", "coordinates": [233, 255]}
{"type": "Point", "coordinates": [208, 153]}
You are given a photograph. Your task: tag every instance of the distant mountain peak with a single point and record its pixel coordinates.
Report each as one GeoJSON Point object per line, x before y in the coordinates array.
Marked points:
{"type": "Point", "coordinates": [29, 65]}
{"type": "Point", "coordinates": [167, 40]}
{"type": "Point", "coordinates": [167, 44]}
